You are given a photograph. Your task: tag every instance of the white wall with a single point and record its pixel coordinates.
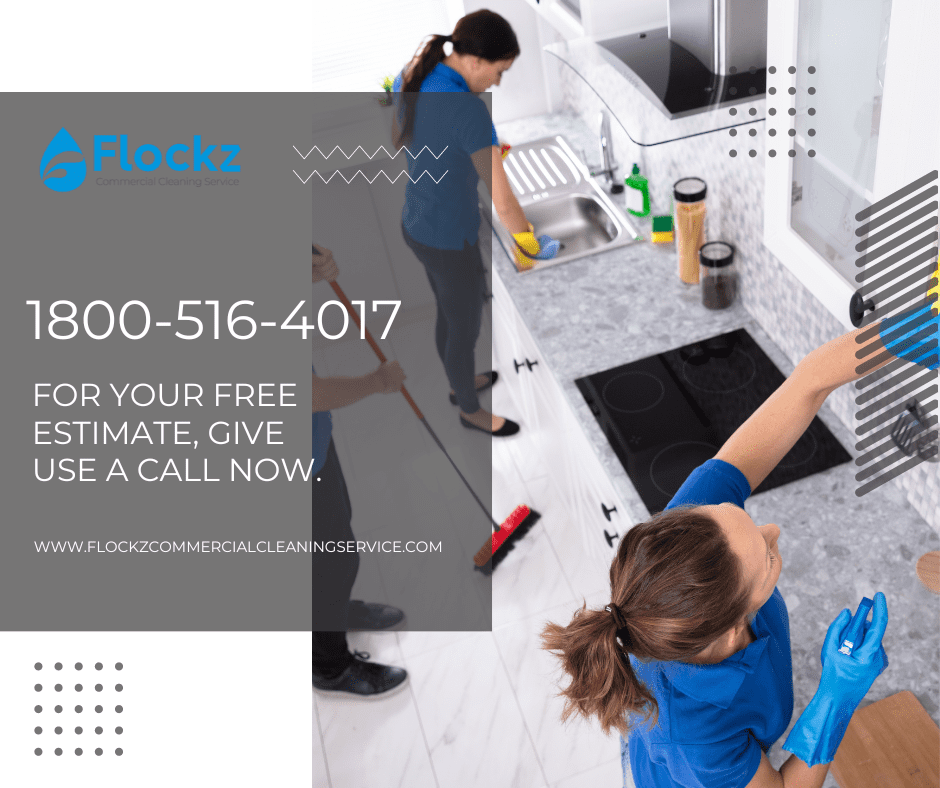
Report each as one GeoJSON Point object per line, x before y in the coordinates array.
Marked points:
{"type": "Point", "coordinates": [523, 91]}
{"type": "Point", "coordinates": [531, 86]}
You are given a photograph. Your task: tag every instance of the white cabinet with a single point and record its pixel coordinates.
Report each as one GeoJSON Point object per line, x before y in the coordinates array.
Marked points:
{"type": "Point", "coordinates": [552, 443]}
{"type": "Point", "coordinates": [865, 109]}
{"type": "Point", "coordinates": [541, 406]}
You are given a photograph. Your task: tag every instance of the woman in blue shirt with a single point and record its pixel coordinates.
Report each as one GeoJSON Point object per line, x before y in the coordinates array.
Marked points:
{"type": "Point", "coordinates": [691, 661]}
{"type": "Point", "coordinates": [450, 137]}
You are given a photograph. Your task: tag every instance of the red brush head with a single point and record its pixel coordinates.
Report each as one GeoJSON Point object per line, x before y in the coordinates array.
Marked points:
{"type": "Point", "coordinates": [509, 525]}
{"type": "Point", "coordinates": [515, 525]}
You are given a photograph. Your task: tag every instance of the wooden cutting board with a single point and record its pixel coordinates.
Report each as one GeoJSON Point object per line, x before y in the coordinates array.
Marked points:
{"type": "Point", "coordinates": [928, 570]}
{"type": "Point", "coordinates": [893, 743]}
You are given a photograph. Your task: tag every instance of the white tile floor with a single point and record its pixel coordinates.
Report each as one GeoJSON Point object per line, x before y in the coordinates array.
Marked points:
{"type": "Point", "coordinates": [481, 708]}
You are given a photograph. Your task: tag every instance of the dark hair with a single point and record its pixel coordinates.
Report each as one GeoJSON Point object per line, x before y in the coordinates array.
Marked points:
{"type": "Point", "coordinates": [483, 33]}
{"type": "Point", "coordinates": [676, 586]}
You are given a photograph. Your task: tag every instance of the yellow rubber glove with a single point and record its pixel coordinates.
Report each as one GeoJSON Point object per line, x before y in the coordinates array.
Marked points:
{"type": "Point", "coordinates": [528, 248]}
{"type": "Point", "coordinates": [525, 250]}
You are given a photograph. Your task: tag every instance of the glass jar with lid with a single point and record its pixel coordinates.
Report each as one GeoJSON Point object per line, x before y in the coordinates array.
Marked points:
{"type": "Point", "coordinates": [718, 275]}
{"type": "Point", "coordinates": [689, 196]}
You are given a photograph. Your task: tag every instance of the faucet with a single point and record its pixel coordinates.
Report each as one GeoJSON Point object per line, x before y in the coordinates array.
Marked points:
{"type": "Point", "coordinates": [607, 155]}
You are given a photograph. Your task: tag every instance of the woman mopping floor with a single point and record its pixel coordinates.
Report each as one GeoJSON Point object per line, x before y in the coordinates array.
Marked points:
{"type": "Point", "coordinates": [691, 660]}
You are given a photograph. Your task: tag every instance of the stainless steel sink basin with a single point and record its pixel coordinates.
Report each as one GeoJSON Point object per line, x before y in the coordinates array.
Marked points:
{"type": "Point", "coordinates": [561, 199]}
{"type": "Point", "coordinates": [578, 221]}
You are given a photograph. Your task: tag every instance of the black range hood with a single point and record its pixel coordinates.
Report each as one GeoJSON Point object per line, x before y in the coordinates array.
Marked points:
{"type": "Point", "coordinates": [675, 80]}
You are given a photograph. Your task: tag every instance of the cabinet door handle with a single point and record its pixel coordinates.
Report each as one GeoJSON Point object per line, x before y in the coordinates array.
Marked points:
{"type": "Point", "coordinates": [524, 363]}
{"type": "Point", "coordinates": [607, 511]}
{"type": "Point", "coordinates": [857, 308]}
{"type": "Point", "coordinates": [611, 538]}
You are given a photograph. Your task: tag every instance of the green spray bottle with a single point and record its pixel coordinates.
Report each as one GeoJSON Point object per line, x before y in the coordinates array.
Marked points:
{"type": "Point", "coordinates": [638, 193]}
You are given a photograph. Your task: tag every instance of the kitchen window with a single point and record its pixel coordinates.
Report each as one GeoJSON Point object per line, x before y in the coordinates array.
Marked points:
{"type": "Point", "coordinates": [383, 38]}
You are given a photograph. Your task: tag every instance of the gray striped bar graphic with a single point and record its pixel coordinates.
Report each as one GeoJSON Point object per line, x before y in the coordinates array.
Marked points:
{"type": "Point", "coordinates": [891, 199]}
{"type": "Point", "coordinates": [898, 245]}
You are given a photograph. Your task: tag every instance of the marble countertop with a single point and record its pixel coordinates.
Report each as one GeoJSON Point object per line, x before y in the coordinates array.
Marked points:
{"type": "Point", "coordinates": [616, 307]}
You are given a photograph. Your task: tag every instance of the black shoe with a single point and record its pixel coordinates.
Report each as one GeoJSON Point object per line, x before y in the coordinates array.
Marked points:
{"type": "Point", "coordinates": [364, 680]}
{"type": "Point", "coordinates": [492, 377]}
{"type": "Point", "coordinates": [371, 615]}
{"type": "Point", "coordinates": [509, 428]}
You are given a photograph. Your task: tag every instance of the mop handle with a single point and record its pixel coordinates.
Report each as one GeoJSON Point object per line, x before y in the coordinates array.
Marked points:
{"type": "Point", "coordinates": [378, 351]}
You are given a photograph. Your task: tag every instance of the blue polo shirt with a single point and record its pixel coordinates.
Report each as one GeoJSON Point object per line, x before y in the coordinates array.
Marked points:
{"type": "Point", "coordinates": [441, 206]}
{"type": "Point", "coordinates": [714, 720]}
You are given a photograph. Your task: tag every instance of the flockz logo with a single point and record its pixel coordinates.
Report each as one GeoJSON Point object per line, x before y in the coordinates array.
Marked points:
{"type": "Point", "coordinates": [64, 176]}
{"type": "Point", "coordinates": [68, 176]}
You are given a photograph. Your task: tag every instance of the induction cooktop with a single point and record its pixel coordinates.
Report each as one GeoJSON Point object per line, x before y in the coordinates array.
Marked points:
{"type": "Point", "coordinates": [667, 414]}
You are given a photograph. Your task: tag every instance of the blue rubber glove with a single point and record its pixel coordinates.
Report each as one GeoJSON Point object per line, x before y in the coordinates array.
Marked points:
{"type": "Point", "coordinates": [910, 335]}
{"type": "Point", "coordinates": [845, 681]}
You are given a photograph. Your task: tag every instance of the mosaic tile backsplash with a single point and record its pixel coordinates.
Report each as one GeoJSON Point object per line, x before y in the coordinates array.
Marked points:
{"type": "Point", "coordinates": [786, 310]}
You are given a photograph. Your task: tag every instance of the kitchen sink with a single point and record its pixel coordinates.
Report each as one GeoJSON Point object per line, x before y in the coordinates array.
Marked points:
{"type": "Point", "coordinates": [578, 221]}
{"type": "Point", "coordinates": [561, 199]}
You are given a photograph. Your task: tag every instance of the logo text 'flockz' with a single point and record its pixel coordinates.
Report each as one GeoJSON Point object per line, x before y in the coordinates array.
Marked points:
{"type": "Point", "coordinates": [67, 176]}
{"type": "Point", "coordinates": [63, 176]}
{"type": "Point", "coordinates": [178, 157]}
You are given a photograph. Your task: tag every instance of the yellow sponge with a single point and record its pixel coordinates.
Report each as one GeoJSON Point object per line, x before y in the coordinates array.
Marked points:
{"type": "Point", "coordinates": [662, 230]}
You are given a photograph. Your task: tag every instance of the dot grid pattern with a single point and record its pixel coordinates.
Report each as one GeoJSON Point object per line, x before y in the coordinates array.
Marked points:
{"type": "Point", "coordinates": [772, 111]}
{"type": "Point", "coordinates": [77, 729]}
{"type": "Point", "coordinates": [791, 316]}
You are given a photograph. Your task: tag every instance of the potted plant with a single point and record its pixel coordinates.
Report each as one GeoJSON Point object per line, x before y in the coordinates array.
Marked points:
{"type": "Point", "coordinates": [387, 84]}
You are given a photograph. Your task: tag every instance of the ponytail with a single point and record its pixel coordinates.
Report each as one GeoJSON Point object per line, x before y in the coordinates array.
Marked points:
{"type": "Point", "coordinates": [483, 33]}
{"type": "Point", "coordinates": [603, 682]}
{"type": "Point", "coordinates": [676, 587]}
{"type": "Point", "coordinates": [427, 59]}
{"type": "Point", "coordinates": [424, 63]}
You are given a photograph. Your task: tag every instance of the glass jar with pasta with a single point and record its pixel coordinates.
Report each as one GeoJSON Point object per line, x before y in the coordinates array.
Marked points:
{"type": "Point", "coordinates": [689, 195]}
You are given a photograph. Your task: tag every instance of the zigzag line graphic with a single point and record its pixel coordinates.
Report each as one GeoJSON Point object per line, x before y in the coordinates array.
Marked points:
{"type": "Point", "coordinates": [359, 147]}
{"type": "Point", "coordinates": [380, 172]}
{"type": "Point", "coordinates": [890, 416]}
